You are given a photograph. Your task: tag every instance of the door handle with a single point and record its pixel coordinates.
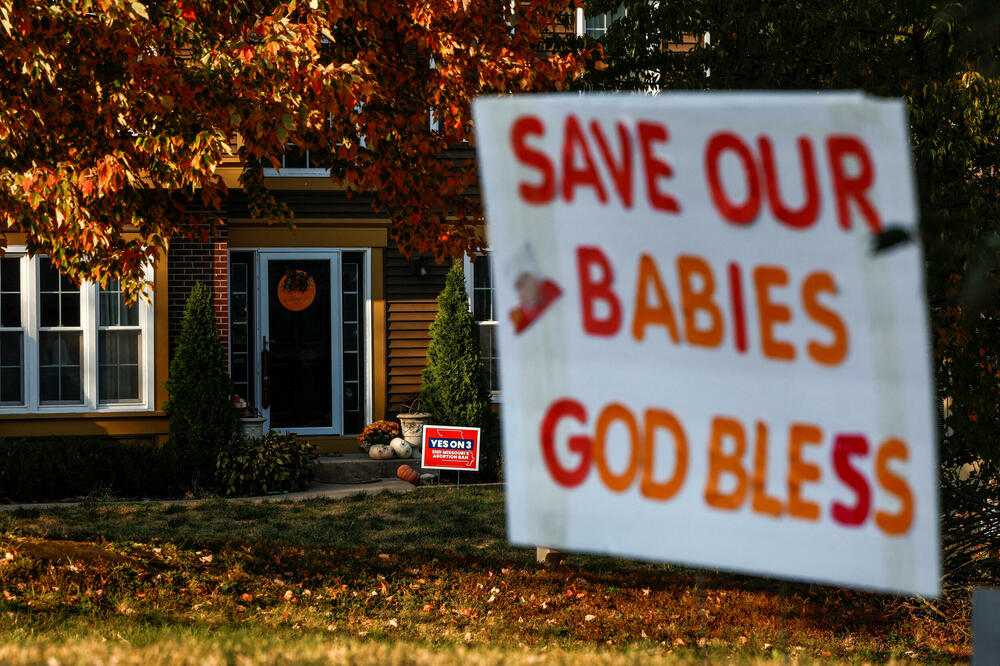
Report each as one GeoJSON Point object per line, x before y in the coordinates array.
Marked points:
{"type": "Point", "coordinates": [265, 376]}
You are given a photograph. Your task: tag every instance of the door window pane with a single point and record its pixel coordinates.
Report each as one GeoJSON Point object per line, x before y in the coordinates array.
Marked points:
{"type": "Point", "coordinates": [350, 275]}
{"type": "Point", "coordinates": [350, 311]}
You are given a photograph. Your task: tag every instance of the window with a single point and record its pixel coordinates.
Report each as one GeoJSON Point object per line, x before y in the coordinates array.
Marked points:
{"type": "Point", "coordinates": [241, 314]}
{"type": "Point", "coordinates": [479, 285]}
{"type": "Point", "coordinates": [119, 339]}
{"type": "Point", "coordinates": [60, 337]}
{"type": "Point", "coordinates": [298, 162]}
{"type": "Point", "coordinates": [69, 348]}
{"type": "Point", "coordinates": [595, 25]}
{"type": "Point", "coordinates": [295, 161]}
{"type": "Point", "coordinates": [11, 333]}
{"type": "Point", "coordinates": [352, 271]}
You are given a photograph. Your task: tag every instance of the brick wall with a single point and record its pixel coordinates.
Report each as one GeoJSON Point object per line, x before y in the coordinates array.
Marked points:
{"type": "Point", "coordinates": [192, 261]}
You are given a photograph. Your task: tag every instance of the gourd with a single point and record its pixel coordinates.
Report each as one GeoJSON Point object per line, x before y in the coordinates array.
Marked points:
{"type": "Point", "coordinates": [380, 452]}
{"type": "Point", "coordinates": [408, 474]}
{"type": "Point", "coordinates": [401, 447]}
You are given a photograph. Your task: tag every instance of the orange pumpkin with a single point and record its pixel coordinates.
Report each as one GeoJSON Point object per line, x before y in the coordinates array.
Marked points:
{"type": "Point", "coordinates": [296, 291]}
{"type": "Point", "coordinates": [408, 474]}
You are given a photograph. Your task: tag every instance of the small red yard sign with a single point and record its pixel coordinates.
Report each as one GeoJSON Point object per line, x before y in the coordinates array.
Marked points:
{"type": "Point", "coordinates": [450, 447]}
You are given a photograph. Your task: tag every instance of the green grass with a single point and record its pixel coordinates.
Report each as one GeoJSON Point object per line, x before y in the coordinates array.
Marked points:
{"type": "Point", "coordinates": [424, 577]}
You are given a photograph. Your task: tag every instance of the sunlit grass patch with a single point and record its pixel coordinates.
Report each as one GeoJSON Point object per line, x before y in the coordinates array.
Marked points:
{"type": "Point", "coordinates": [427, 574]}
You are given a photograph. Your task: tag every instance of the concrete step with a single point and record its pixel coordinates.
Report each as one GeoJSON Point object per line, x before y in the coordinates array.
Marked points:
{"type": "Point", "coordinates": [359, 468]}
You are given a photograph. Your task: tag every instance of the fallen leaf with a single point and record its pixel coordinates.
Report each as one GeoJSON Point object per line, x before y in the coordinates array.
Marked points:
{"type": "Point", "coordinates": [589, 618]}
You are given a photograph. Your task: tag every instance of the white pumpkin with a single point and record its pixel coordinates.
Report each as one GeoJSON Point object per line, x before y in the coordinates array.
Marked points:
{"type": "Point", "coordinates": [380, 452]}
{"type": "Point", "coordinates": [401, 447]}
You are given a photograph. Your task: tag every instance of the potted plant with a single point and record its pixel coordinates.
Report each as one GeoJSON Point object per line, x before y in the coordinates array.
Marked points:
{"type": "Point", "coordinates": [251, 423]}
{"type": "Point", "coordinates": [412, 422]}
{"type": "Point", "coordinates": [375, 439]}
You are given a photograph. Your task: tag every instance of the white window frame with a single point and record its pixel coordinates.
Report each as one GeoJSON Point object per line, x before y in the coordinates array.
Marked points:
{"type": "Point", "coordinates": [581, 21]}
{"type": "Point", "coordinates": [467, 269]}
{"type": "Point", "coordinates": [118, 328]}
{"type": "Point", "coordinates": [271, 172]}
{"type": "Point", "coordinates": [30, 324]}
{"type": "Point", "coordinates": [12, 253]}
{"type": "Point", "coordinates": [308, 172]}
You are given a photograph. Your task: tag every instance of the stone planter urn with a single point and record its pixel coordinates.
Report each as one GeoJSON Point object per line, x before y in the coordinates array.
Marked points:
{"type": "Point", "coordinates": [252, 426]}
{"type": "Point", "coordinates": [412, 425]}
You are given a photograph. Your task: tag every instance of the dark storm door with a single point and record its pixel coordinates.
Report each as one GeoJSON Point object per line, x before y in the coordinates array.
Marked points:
{"type": "Point", "coordinates": [302, 348]}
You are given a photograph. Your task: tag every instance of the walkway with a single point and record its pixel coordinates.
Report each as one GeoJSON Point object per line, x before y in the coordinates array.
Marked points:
{"type": "Point", "coordinates": [330, 490]}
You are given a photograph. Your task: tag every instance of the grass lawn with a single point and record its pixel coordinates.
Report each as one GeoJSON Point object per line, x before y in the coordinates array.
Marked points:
{"type": "Point", "coordinates": [425, 578]}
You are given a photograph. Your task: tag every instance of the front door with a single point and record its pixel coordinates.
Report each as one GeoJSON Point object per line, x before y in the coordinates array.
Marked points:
{"type": "Point", "coordinates": [300, 325]}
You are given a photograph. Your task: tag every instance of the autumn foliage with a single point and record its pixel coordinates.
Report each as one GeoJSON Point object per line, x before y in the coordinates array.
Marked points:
{"type": "Point", "coordinates": [115, 115]}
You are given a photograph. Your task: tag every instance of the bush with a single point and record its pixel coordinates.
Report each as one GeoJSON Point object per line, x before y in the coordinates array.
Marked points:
{"type": "Point", "coordinates": [455, 390]}
{"type": "Point", "coordinates": [273, 464]}
{"type": "Point", "coordinates": [202, 418]}
{"type": "Point", "coordinates": [53, 468]}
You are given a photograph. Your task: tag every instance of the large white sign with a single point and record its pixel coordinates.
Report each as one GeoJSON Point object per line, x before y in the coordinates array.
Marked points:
{"type": "Point", "coordinates": [703, 360]}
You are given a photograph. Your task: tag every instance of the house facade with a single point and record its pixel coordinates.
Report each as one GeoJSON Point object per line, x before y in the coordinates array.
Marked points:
{"type": "Point", "coordinates": [348, 353]}
{"type": "Point", "coordinates": [321, 361]}
{"type": "Point", "coordinates": [325, 325]}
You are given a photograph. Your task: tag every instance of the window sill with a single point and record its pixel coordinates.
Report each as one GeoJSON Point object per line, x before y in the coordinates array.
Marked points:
{"type": "Point", "coordinates": [296, 173]}
{"type": "Point", "coordinates": [64, 413]}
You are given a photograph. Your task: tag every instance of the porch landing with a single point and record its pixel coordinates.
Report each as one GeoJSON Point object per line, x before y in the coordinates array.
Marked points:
{"type": "Point", "coordinates": [359, 468]}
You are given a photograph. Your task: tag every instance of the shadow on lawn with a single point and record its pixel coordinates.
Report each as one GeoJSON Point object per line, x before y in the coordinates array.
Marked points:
{"type": "Point", "coordinates": [436, 559]}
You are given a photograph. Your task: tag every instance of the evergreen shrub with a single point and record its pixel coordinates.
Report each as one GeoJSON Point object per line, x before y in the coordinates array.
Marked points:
{"type": "Point", "coordinates": [202, 417]}
{"type": "Point", "coordinates": [455, 390]}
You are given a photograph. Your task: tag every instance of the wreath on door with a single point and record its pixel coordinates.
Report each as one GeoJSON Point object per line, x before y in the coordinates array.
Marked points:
{"type": "Point", "coordinates": [296, 290]}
